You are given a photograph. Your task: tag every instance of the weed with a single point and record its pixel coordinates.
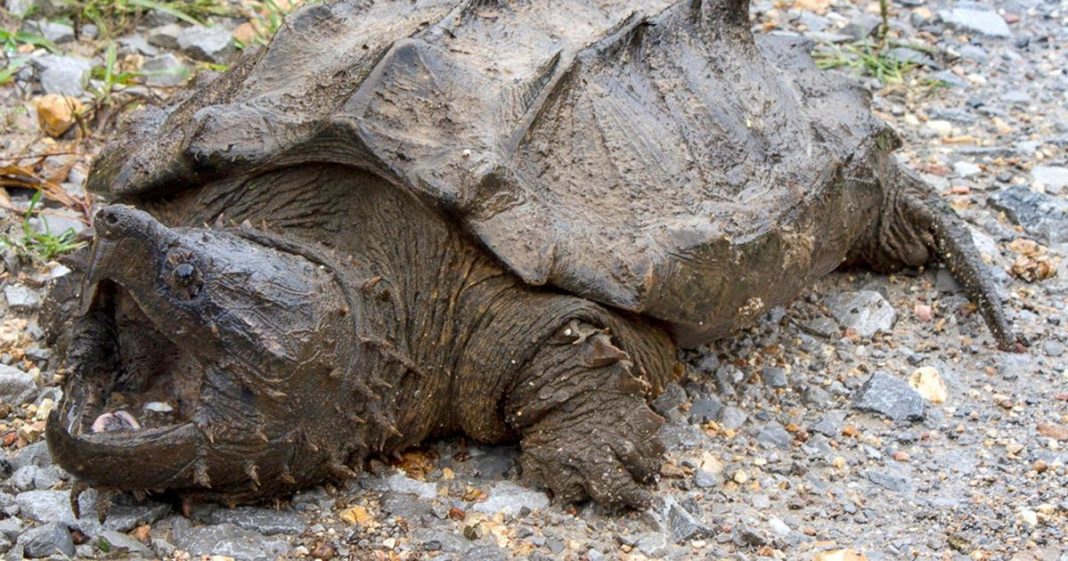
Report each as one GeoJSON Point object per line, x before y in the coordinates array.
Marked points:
{"type": "Point", "coordinates": [266, 17]}
{"type": "Point", "coordinates": [41, 246]}
{"type": "Point", "coordinates": [866, 59]}
{"type": "Point", "coordinates": [112, 16]}
{"type": "Point", "coordinates": [111, 76]}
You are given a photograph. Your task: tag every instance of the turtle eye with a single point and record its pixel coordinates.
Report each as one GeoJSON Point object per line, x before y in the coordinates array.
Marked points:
{"type": "Point", "coordinates": [184, 275]}
{"type": "Point", "coordinates": [185, 280]}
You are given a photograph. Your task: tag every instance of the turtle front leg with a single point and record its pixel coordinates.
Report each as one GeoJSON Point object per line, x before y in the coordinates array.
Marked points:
{"type": "Point", "coordinates": [915, 225]}
{"type": "Point", "coordinates": [581, 407]}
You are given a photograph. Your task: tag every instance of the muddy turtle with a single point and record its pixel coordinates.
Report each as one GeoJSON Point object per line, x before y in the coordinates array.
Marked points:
{"type": "Point", "coordinates": [417, 218]}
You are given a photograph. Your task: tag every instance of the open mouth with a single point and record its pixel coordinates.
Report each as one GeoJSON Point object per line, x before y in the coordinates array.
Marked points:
{"type": "Point", "coordinates": [131, 379]}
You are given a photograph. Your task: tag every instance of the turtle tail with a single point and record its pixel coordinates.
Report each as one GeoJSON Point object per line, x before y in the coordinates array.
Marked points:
{"type": "Point", "coordinates": [916, 225]}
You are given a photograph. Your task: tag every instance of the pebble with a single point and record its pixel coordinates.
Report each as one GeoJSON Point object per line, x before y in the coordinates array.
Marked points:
{"type": "Point", "coordinates": [985, 22]}
{"type": "Point", "coordinates": [705, 409]}
{"type": "Point", "coordinates": [165, 36]}
{"type": "Point", "coordinates": [684, 525]}
{"type": "Point", "coordinates": [54, 31]}
{"type": "Point", "coordinates": [966, 169]}
{"type": "Point", "coordinates": [46, 540]}
{"type": "Point", "coordinates": [929, 384]}
{"type": "Point", "coordinates": [774, 435]}
{"type": "Point", "coordinates": [64, 75]}
{"type": "Point", "coordinates": [867, 312]}
{"type": "Point", "coordinates": [774, 377]}
{"type": "Point", "coordinates": [210, 44]}
{"type": "Point", "coordinates": [1053, 179]}
{"type": "Point", "coordinates": [267, 521]}
{"type": "Point", "coordinates": [228, 539]}
{"type": "Point", "coordinates": [510, 499]}
{"type": "Point", "coordinates": [16, 387]}
{"type": "Point", "coordinates": [165, 71]}
{"type": "Point", "coordinates": [830, 425]}
{"type": "Point", "coordinates": [1041, 215]}
{"type": "Point", "coordinates": [21, 297]}
{"type": "Point", "coordinates": [890, 397]}
{"type": "Point", "coordinates": [732, 418]}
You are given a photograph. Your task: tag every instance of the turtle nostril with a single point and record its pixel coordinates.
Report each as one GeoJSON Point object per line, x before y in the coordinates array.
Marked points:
{"type": "Point", "coordinates": [109, 217]}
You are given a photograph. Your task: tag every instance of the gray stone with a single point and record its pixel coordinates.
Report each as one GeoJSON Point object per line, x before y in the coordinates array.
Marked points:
{"type": "Point", "coordinates": [778, 527]}
{"type": "Point", "coordinates": [35, 454]}
{"type": "Point", "coordinates": [16, 387]}
{"type": "Point", "coordinates": [263, 520]}
{"type": "Point", "coordinates": [1052, 348]}
{"type": "Point", "coordinates": [966, 169]}
{"type": "Point", "coordinates": [985, 22]}
{"type": "Point", "coordinates": [408, 507]}
{"type": "Point", "coordinates": [864, 311]}
{"type": "Point", "coordinates": [1041, 215]}
{"type": "Point", "coordinates": [55, 32]}
{"type": "Point", "coordinates": [54, 506]}
{"type": "Point", "coordinates": [652, 544]}
{"type": "Point", "coordinates": [120, 545]}
{"type": "Point", "coordinates": [165, 71]}
{"type": "Point", "coordinates": [22, 479]}
{"type": "Point", "coordinates": [684, 524]}
{"type": "Point", "coordinates": [62, 74]}
{"type": "Point", "coordinates": [1053, 178]}
{"type": "Point", "coordinates": [732, 418]}
{"type": "Point", "coordinates": [137, 44]}
{"type": "Point", "coordinates": [911, 56]}
{"type": "Point", "coordinates": [890, 397]}
{"type": "Point", "coordinates": [495, 462]}
{"type": "Point", "coordinates": [705, 409]}
{"type": "Point", "coordinates": [863, 27]}
{"type": "Point", "coordinates": [822, 327]}
{"type": "Point", "coordinates": [974, 53]}
{"type": "Point", "coordinates": [830, 424]}
{"type": "Point", "coordinates": [1017, 97]}
{"type": "Point", "coordinates": [211, 44]}
{"type": "Point", "coordinates": [706, 479]}
{"type": "Point", "coordinates": [889, 480]}
{"type": "Point", "coordinates": [669, 401]}
{"type": "Point", "coordinates": [165, 36]}
{"type": "Point", "coordinates": [774, 435]}
{"type": "Point", "coordinates": [47, 540]}
{"type": "Point", "coordinates": [400, 483]}
{"type": "Point", "coordinates": [21, 297]}
{"type": "Point", "coordinates": [19, 8]}
{"type": "Point", "coordinates": [10, 528]}
{"type": "Point", "coordinates": [773, 377]}
{"type": "Point", "coordinates": [510, 499]}
{"type": "Point", "coordinates": [227, 539]}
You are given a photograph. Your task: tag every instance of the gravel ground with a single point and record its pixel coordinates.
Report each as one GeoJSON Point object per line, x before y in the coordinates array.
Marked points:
{"type": "Point", "coordinates": [873, 419]}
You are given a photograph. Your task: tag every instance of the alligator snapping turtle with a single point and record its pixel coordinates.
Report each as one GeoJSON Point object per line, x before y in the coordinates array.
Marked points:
{"type": "Point", "coordinates": [437, 217]}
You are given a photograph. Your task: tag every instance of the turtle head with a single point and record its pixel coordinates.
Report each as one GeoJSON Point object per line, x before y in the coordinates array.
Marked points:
{"type": "Point", "coordinates": [200, 363]}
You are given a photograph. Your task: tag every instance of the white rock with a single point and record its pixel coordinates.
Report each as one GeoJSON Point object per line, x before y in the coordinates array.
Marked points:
{"type": "Point", "coordinates": [929, 384]}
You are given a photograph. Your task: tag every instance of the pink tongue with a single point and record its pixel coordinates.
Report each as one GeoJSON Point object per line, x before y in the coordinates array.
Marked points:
{"type": "Point", "coordinates": [116, 421]}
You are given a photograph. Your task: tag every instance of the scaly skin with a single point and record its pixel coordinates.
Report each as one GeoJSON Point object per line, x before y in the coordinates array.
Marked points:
{"type": "Point", "coordinates": [387, 359]}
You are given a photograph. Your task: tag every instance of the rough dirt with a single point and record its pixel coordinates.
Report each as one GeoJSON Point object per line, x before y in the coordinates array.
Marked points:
{"type": "Point", "coordinates": [873, 419]}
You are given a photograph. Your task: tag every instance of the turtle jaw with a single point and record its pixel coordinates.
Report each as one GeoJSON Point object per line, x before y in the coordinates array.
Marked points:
{"type": "Point", "coordinates": [127, 418]}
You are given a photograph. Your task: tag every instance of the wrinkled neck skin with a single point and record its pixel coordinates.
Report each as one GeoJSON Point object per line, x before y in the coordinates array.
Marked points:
{"type": "Point", "coordinates": [430, 337]}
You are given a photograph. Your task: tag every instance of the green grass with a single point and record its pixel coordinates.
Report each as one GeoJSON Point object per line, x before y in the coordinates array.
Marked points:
{"type": "Point", "coordinates": [10, 41]}
{"type": "Point", "coordinates": [865, 59]}
{"type": "Point", "coordinates": [110, 77]}
{"type": "Point", "coordinates": [115, 16]}
{"type": "Point", "coordinates": [38, 246]}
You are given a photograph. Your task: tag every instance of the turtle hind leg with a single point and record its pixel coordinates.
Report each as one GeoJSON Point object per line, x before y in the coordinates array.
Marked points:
{"type": "Point", "coordinates": [916, 225]}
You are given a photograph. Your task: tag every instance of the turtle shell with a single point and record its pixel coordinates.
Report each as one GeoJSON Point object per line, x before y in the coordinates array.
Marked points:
{"type": "Point", "coordinates": [652, 155]}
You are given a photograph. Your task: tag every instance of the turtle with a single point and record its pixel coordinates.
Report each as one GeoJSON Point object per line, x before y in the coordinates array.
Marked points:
{"type": "Point", "coordinates": [402, 220]}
